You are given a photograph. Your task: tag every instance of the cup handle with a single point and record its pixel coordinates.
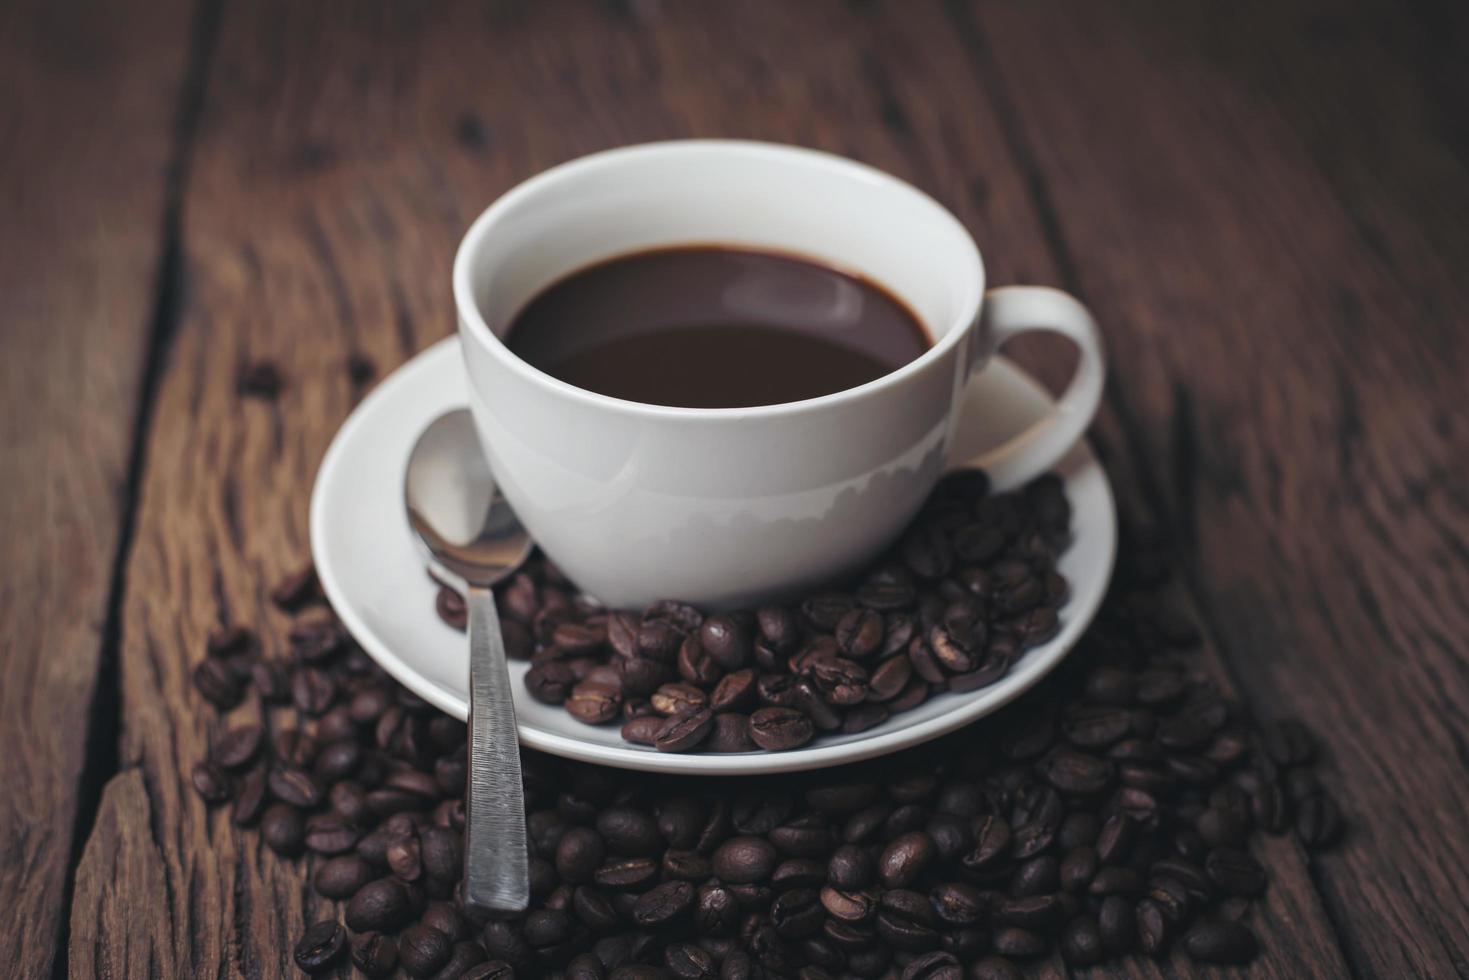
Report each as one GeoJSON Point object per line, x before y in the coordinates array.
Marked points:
{"type": "Point", "coordinates": [1014, 310]}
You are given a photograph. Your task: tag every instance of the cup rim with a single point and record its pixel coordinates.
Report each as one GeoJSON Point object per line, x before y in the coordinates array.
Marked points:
{"type": "Point", "coordinates": [479, 330]}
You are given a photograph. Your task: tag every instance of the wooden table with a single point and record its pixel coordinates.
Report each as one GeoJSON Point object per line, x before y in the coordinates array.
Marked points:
{"type": "Point", "coordinates": [1265, 204]}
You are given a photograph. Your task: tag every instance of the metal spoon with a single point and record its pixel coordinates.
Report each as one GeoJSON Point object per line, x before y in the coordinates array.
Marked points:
{"type": "Point", "coordinates": [472, 538]}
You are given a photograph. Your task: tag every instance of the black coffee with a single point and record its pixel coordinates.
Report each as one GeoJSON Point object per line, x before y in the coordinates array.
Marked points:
{"type": "Point", "coordinates": [712, 327]}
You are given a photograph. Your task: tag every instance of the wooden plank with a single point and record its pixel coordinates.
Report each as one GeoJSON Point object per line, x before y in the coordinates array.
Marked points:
{"type": "Point", "coordinates": [124, 866]}
{"type": "Point", "coordinates": [1273, 200]}
{"type": "Point", "coordinates": [90, 94]}
{"type": "Point", "coordinates": [342, 152]}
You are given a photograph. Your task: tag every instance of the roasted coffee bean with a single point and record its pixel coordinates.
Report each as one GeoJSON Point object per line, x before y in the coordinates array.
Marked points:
{"type": "Point", "coordinates": [863, 717]}
{"type": "Point", "coordinates": [994, 968]}
{"type": "Point", "coordinates": [1078, 868]}
{"type": "Point", "coordinates": [1081, 941]}
{"type": "Point", "coordinates": [462, 958]}
{"type": "Point", "coordinates": [937, 965]}
{"type": "Point", "coordinates": [673, 699]}
{"type": "Point", "coordinates": [1153, 930]}
{"type": "Point", "coordinates": [1115, 840]}
{"type": "Point", "coordinates": [906, 920]}
{"type": "Point", "coordinates": [889, 679]}
{"type": "Point", "coordinates": [378, 906]}
{"type": "Point", "coordinates": [1017, 942]}
{"type": "Point", "coordinates": [1116, 881]}
{"type": "Point", "coordinates": [695, 664]}
{"type": "Point", "coordinates": [727, 640]}
{"type": "Point", "coordinates": [1075, 773]}
{"type": "Point", "coordinates": [628, 873]}
{"type": "Point", "coordinates": [328, 833]}
{"type": "Point", "coordinates": [659, 640]}
{"type": "Point", "coordinates": [321, 946]}
{"type": "Point", "coordinates": [1318, 821]}
{"type": "Point", "coordinates": [1220, 942]}
{"type": "Point", "coordinates": [806, 836]}
{"type": "Point", "coordinates": [296, 787]}
{"type": "Point", "coordinates": [217, 683]}
{"type": "Point", "coordinates": [593, 703]}
{"type": "Point", "coordinates": [579, 854]}
{"type": "Point", "coordinates": [860, 633]}
{"type": "Point", "coordinates": [1033, 912]}
{"type": "Point", "coordinates": [734, 692]}
{"type": "Point", "coordinates": [250, 798]}
{"type": "Point", "coordinates": [575, 639]}
{"type": "Point", "coordinates": [550, 683]}
{"type": "Point", "coordinates": [546, 927]}
{"type": "Point", "coordinates": [664, 905]}
{"type": "Point", "coordinates": [813, 704]}
{"type": "Point", "coordinates": [684, 731]}
{"type": "Point", "coordinates": [840, 681]}
{"type": "Point", "coordinates": [341, 876]}
{"type": "Point", "coordinates": [825, 610]}
{"type": "Point", "coordinates": [744, 860]}
{"type": "Point", "coordinates": [780, 729]}
{"type": "Point", "coordinates": [731, 733]}
{"type": "Point", "coordinates": [317, 636]}
{"type": "Point", "coordinates": [797, 913]}
{"type": "Point", "coordinates": [423, 949]}
{"type": "Point", "coordinates": [850, 868]}
{"type": "Point", "coordinates": [777, 690]}
{"type": "Point", "coordinates": [283, 829]}
{"type": "Point", "coordinates": [778, 627]}
{"type": "Point", "coordinates": [503, 942]}
{"type": "Point", "coordinates": [643, 730]}
{"type": "Point", "coordinates": [375, 954]}
{"type": "Point", "coordinates": [1118, 924]}
{"type": "Point", "coordinates": [1235, 871]}
{"type": "Point", "coordinates": [210, 782]}
{"type": "Point", "coordinates": [1036, 876]}
{"type": "Point", "coordinates": [1172, 898]}
{"type": "Point", "coordinates": [687, 961]}
{"type": "Point", "coordinates": [296, 589]}
{"type": "Point", "coordinates": [238, 747]}
{"type": "Point", "coordinates": [905, 858]}
{"type": "Point", "coordinates": [628, 831]}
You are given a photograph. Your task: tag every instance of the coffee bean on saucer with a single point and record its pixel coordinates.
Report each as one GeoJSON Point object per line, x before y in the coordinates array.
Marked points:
{"type": "Point", "coordinates": [731, 733]}
{"type": "Point", "coordinates": [643, 730]}
{"type": "Point", "coordinates": [780, 729]}
{"type": "Point", "coordinates": [594, 703]}
{"type": "Point", "coordinates": [684, 731]}
{"type": "Point", "coordinates": [451, 608]}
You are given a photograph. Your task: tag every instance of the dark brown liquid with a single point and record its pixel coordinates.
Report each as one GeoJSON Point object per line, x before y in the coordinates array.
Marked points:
{"type": "Point", "coordinates": [709, 327]}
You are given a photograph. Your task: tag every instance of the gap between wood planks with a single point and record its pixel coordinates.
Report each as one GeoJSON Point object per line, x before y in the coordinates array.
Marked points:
{"type": "Point", "coordinates": [104, 716]}
{"type": "Point", "coordinates": [1175, 514]}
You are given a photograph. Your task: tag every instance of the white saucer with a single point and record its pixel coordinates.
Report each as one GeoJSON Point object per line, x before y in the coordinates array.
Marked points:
{"type": "Point", "coordinates": [374, 577]}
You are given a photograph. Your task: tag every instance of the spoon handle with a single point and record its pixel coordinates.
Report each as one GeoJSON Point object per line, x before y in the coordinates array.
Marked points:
{"type": "Point", "coordinates": [496, 865]}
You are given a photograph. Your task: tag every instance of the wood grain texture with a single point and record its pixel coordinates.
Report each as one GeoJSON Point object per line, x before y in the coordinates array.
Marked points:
{"type": "Point", "coordinates": [1281, 228]}
{"type": "Point", "coordinates": [342, 151]}
{"type": "Point", "coordinates": [88, 92]}
{"type": "Point", "coordinates": [123, 885]}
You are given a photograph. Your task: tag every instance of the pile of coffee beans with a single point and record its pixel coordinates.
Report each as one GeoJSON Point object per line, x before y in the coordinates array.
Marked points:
{"type": "Point", "coordinates": [1108, 812]}
{"type": "Point", "coordinates": [968, 589]}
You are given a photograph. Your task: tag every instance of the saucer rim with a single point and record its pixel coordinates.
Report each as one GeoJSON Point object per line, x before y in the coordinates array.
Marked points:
{"type": "Point", "coordinates": [1020, 679]}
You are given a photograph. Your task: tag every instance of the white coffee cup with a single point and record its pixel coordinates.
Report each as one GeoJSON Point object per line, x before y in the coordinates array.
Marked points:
{"type": "Point", "coordinates": [722, 507]}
